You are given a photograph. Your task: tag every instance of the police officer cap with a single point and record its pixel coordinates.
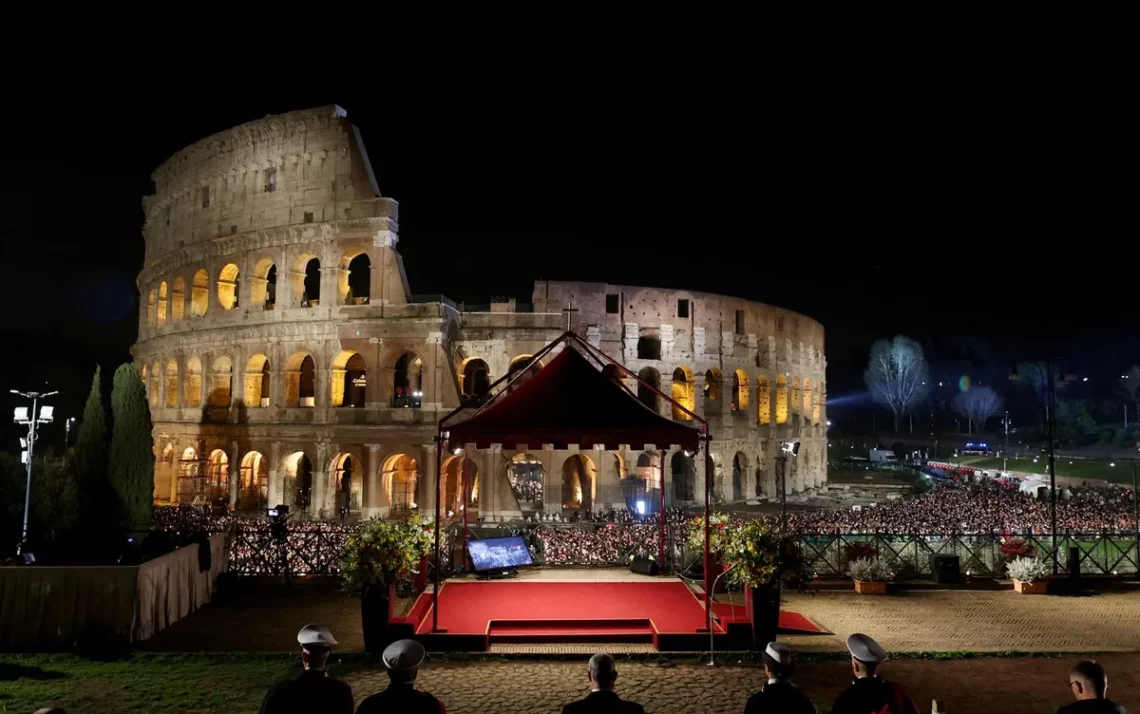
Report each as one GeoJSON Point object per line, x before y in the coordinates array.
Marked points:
{"type": "Point", "coordinates": [865, 649]}
{"type": "Point", "coordinates": [315, 637]}
{"type": "Point", "coordinates": [403, 655]}
{"type": "Point", "coordinates": [776, 653]}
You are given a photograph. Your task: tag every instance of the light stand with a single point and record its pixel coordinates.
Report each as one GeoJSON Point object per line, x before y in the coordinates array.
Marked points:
{"type": "Point", "coordinates": [712, 649]}
{"type": "Point", "coordinates": [793, 448]}
{"type": "Point", "coordinates": [32, 420]}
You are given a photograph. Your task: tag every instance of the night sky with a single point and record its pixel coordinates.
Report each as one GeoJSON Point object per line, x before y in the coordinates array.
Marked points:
{"type": "Point", "coordinates": [883, 208]}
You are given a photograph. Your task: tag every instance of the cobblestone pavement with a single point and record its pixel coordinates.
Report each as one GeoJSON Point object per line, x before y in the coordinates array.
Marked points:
{"type": "Point", "coordinates": [975, 621]}
{"type": "Point", "coordinates": [1008, 686]}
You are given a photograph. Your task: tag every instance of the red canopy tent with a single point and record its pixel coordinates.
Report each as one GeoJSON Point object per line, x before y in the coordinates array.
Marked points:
{"type": "Point", "coordinates": [571, 401]}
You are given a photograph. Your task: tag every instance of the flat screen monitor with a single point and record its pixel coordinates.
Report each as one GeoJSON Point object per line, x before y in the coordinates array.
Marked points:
{"type": "Point", "coordinates": [499, 553]}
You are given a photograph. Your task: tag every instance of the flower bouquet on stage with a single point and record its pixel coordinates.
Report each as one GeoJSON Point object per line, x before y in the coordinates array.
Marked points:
{"type": "Point", "coordinates": [752, 554]}
{"type": "Point", "coordinates": [375, 557]}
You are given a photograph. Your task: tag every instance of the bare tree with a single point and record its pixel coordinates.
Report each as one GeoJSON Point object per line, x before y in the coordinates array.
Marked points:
{"type": "Point", "coordinates": [897, 375]}
{"type": "Point", "coordinates": [978, 404]}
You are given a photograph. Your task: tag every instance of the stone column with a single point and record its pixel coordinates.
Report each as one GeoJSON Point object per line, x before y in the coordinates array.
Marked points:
{"type": "Point", "coordinates": [235, 473]}
{"type": "Point", "coordinates": [274, 491]}
{"type": "Point", "coordinates": [175, 469]}
{"type": "Point", "coordinates": [551, 481]}
{"type": "Point", "coordinates": [322, 495]}
{"type": "Point", "coordinates": [425, 482]}
{"type": "Point", "coordinates": [370, 501]}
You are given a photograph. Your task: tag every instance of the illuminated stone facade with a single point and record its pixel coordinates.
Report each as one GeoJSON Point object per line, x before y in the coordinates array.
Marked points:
{"type": "Point", "coordinates": [286, 360]}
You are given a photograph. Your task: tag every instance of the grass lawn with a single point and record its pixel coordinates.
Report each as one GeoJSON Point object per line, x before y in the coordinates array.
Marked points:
{"type": "Point", "coordinates": [140, 683]}
{"type": "Point", "coordinates": [1077, 468]}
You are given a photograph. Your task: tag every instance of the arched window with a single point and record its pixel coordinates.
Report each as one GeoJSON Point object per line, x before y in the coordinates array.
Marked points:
{"type": "Point", "coordinates": [221, 377]}
{"type": "Point", "coordinates": [263, 287]}
{"type": "Point", "coordinates": [193, 383]}
{"type": "Point", "coordinates": [763, 401]}
{"type": "Point", "coordinates": [476, 377]}
{"type": "Point", "coordinates": [683, 393]}
{"type": "Point", "coordinates": [150, 308]}
{"type": "Point", "coordinates": [257, 381]}
{"type": "Point", "coordinates": [740, 391]}
{"type": "Point", "coordinates": [218, 475]}
{"type": "Point", "coordinates": [155, 391]}
{"type": "Point", "coordinates": [171, 377]}
{"type": "Point", "coordinates": [178, 300]}
{"type": "Point", "coordinates": [228, 287]}
{"type": "Point", "coordinates": [454, 486]}
{"type": "Point", "coordinates": [712, 385]}
{"type": "Point", "coordinates": [355, 279]}
{"type": "Point", "coordinates": [298, 479]}
{"type": "Point", "coordinates": [160, 315]}
{"type": "Point", "coordinates": [398, 478]}
{"type": "Point", "coordinates": [739, 469]}
{"type": "Point", "coordinates": [781, 399]}
{"type": "Point", "coordinates": [525, 474]}
{"type": "Point", "coordinates": [650, 380]}
{"type": "Point", "coordinates": [407, 381]}
{"type": "Point", "coordinates": [199, 293]}
{"type": "Point", "coordinates": [579, 476]}
{"type": "Point", "coordinates": [300, 380]}
{"type": "Point", "coordinates": [684, 476]}
{"type": "Point", "coordinates": [519, 363]}
{"type": "Point", "coordinates": [311, 284]}
{"type": "Point", "coordinates": [253, 483]}
{"type": "Point", "coordinates": [349, 483]}
{"type": "Point", "coordinates": [349, 385]}
{"type": "Point", "coordinates": [191, 483]}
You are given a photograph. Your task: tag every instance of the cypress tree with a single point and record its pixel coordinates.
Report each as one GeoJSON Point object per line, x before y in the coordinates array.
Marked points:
{"type": "Point", "coordinates": [131, 462]}
{"type": "Point", "coordinates": [89, 460]}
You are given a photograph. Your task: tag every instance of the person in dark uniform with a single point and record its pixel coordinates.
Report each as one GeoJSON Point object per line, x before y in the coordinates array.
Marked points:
{"type": "Point", "coordinates": [869, 693]}
{"type": "Point", "coordinates": [602, 673]}
{"type": "Point", "coordinates": [1089, 685]}
{"type": "Point", "coordinates": [403, 659]}
{"type": "Point", "coordinates": [314, 690]}
{"type": "Point", "coordinates": [779, 694]}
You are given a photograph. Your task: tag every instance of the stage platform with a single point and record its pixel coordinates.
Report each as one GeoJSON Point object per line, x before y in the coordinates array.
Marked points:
{"type": "Point", "coordinates": [580, 605]}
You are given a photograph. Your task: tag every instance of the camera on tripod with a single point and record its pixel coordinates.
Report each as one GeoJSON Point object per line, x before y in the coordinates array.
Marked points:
{"type": "Point", "coordinates": [277, 521]}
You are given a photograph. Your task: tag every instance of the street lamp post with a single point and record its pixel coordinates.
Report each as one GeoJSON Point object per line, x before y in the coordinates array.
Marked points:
{"type": "Point", "coordinates": [793, 448]}
{"type": "Point", "coordinates": [1005, 451]}
{"type": "Point", "coordinates": [31, 420]}
{"type": "Point", "coordinates": [66, 438]}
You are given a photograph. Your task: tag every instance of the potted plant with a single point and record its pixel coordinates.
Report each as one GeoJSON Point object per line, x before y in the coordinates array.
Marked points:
{"type": "Point", "coordinates": [718, 541]}
{"type": "Point", "coordinates": [752, 554]}
{"type": "Point", "coordinates": [870, 575]}
{"type": "Point", "coordinates": [376, 556]}
{"type": "Point", "coordinates": [1029, 575]}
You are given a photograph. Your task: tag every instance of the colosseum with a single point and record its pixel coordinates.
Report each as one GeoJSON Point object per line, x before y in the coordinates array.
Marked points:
{"type": "Point", "coordinates": [287, 360]}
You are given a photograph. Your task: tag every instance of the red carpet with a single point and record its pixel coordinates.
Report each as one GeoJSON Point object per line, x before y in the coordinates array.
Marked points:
{"type": "Point", "coordinates": [632, 611]}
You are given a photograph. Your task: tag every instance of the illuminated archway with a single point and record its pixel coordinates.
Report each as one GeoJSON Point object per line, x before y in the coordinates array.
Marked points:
{"type": "Point", "coordinates": [228, 290]}
{"type": "Point", "coordinates": [519, 363]}
{"type": "Point", "coordinates": [684, 477]}
{"type": "Point", "coordinates": [453, 485]}
{"type": "Point", "coordinates": [526, 476]}
{"type": "Point", "coordinates": [650, 381]}
{"type": "Point", "coordinates": [398, 478]}
{"type": "Point", "coordinates": [355, 278]}
{"type": "Point", "coordinates": [160, 315]}
{"type": "Point", "coordinates": [178, 300]}
{"type": "Point", "coordinates": [306, 281]}
{"type": "Point", "coordinates": [712, 385]}
{"type": "Point", "coordinates": [257, 382]}
{"type": "Point", "coordinates": [300, 380]}
{"type": "Point", "coordinates": [155, 392]}
{"type": "Point", "coordinates": [199, 293]}
{"type": "Point", "coordinates": [348, 483]}
{"type": "Point", "coordinates": [193, 383]}
{"type": "Point", "coordinates": [263, 287]}
{"type": "Point", "coordinates": [781, 399]}
{"type": "Point", "coordinates": [221, 377]}
{"type": "Point", "coordinates": [349, 383]}
{"type": "Point", "coordinates": [171, 379]}
{"type": "Point", "coordinates": [298, 481]}
{"type": "Point", "coordinates": [150, 308]}
{"type": "Point", "coordinates": [476, 377]}
{"type": "Point", "coordinates": [683, 393]}
{"type": "Point", "coordinates": [191, 483]}
{"type": "Point", "coordinates": [740, 391]}
{"type": "Point", "coordinates": [218, 475]}
{"type": "Point", "coordinates": [579, 481]}
{"type": "Point", "coordinates": [739, 469]}
{"type": "Point", "coordinates": [763, 401]}
{"type": "Point", "coordinates": [407, 381]}
{"type": "Point", "coordinates": [165, 487]}
{"type": "Point", "coordinates": [253, 482]}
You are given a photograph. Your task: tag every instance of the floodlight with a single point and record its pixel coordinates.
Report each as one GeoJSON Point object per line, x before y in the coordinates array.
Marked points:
{"type": "Point", "coordinates": [21, 414]}
{"type": "Point", "coordinates": [46, 412]}
{"type": "Point", "coordinates": [791, 447]}
{"type": "Point", "coordinates": [641, 508]}
{"type": "Point", "coordinates": [23, 443]}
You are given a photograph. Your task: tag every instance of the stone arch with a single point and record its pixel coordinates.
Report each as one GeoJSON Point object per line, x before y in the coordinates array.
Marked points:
{"type": "Point", "coordinates": [263, 286]}
{"type": "Point", "coordinates": [398, 476]}
{"type": "Point", "coordinates": [526, 475]}
{"type": "Point", "coordinates": [150, 307]}
{"type": "Point", "coordinates": [740, 391]}
{"type": "Point", "coordinates": [519, 363]}
{"type": "Point", "coordinates": [355, 278]}
{"type": "Point", "coordinates": [781, 399]}
{"type": "Point", "coordinates": [452, 486]}
{"type": "Point", "coordinates": [171, 378]}
{"type": "Point", "coordinates": [684, 392]}
{"type": "Point", "coordinates": [257, 381]}
{"type": "Point", "coordinates": [712, 385]}
{"type": "Point", "coordinates": [160, 305]}
{"type": "Point", "coordinates": [684, 476]}
{"type": "Point", "coordinates": [763, 401]}
{"type": "Point", "coordinates": [306, 280]}
{"type": "Point", "coordinates": [218, 475]}
{"type": "Point", "coordinates": [164, 483]}
{"type": "Point", "coordinates": [649, 469]}
{"type": "Point", "coordinates": [300, 380]}
{"type": "Point", "coordinates": [154, 393]}
{"type": "Point", "coordinates": [228, 286]}
{"type": "Point", "coordinates": [298, 478]}
{"type": "Point", "coordinates": [347, 482]}
{"type": "Point", "coordinates": [221, 379]}
{"type": "Point", "coordinates": [579, 482]}
{"type": "Point", "coordinates": [199, 293]}
{"type": "Point", "coordinates": [178, 299]}
{"type": "Point", "coordinates": [189, 487]}
{"type": "Point", "coordinates": [650, 380]}
{"type": "Point", "coordinates": [193, 397]}
{"type": "Point", "coordinates": [739, 471]}
{"type": "Point", "coordinates": [349, 384]}
{"type": "Point", "coordinates": [795, 405]}
{"type": "Point", "coordinates": [253, 482]}
{"type": "Point", "coordinates": [408, 381]}
{"type": "Point", "coordinates": [476, 376]}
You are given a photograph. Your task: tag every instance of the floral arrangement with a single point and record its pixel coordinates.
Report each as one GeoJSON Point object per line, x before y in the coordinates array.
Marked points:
{"type": "Point", "coordinates": [1012, 548]}
{"type": "Point", "coordinates": [384, 552]}
{"type": "Point", "coordinates": [869, 570]}
{"type": "Point", "coordinates": [753, 551]}
{"type": "Point", "coordinates": [718, 534]}
{"type": "Point", "coordinates": [1028, 569]}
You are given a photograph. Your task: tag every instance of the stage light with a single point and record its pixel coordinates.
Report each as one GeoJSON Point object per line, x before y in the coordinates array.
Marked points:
{"type": "Point", "coordinates": [46, 412]}
{"type": "Point", "coordinates": [21, 415]}
{"type": "Point", "coordinates": [457, 450]}
{"type": "Point", "coordinates": [641, 508]}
